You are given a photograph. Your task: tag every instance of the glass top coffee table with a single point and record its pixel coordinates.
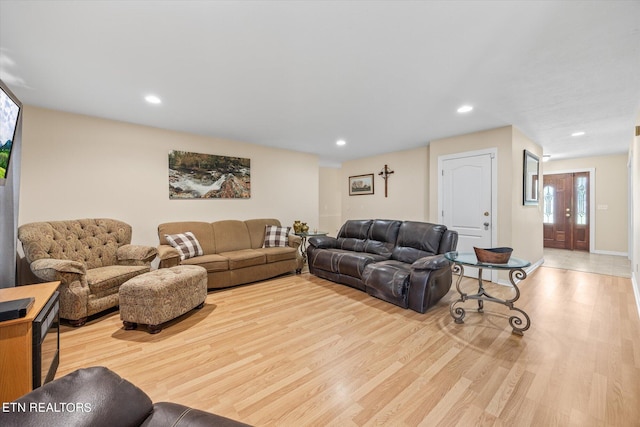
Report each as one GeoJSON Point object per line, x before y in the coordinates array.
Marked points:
{"type": "Point", "coordinates": [520, 321]}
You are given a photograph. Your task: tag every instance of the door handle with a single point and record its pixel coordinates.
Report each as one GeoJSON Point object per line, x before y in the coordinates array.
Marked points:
{"type": "Point", "coordinates": [486, 225]}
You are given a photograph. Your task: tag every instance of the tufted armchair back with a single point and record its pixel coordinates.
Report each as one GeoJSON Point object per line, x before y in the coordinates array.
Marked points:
{"type": "Point", "coordinates": [93, 242]}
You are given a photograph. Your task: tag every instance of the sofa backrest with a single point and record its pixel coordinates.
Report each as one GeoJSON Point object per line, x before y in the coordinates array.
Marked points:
{"type": "Point", "coordinates": [382, 237]}
{"type": "Point", "coordinates": [405, 241]}
{"type": "Point", "coordinates": [376, 236]}
{"type": "Point", "coordinates": [417, 240]}
{"type": "Point", "coordinates": [231, 235]}
{"type": "Point", "coordinates": [93, 242]}
{"type": "Point", "coordinates": [201, 230]}
{"type": "Point", "coordinates": [353, 233]}
{"type": "Point", "coordinates": [221, 236]}
{"type": "Point", "coordinates": [257, 228]}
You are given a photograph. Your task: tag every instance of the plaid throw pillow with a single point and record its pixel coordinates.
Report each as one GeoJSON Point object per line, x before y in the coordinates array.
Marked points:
{"type": "Point", "coordinates": [186, 244]}
{"type": "Point", "coordinates": [275, 236]}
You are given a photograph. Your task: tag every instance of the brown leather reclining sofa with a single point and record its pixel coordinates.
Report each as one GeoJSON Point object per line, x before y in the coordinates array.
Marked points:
{"type": "Point", "coordinates": [400, 262]}
{"type": "Point", "coordinates": [98, 397]}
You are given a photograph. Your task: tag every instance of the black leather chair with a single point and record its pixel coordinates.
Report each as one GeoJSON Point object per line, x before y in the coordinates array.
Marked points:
{"type": "Point", "coordinates": [96, 397]}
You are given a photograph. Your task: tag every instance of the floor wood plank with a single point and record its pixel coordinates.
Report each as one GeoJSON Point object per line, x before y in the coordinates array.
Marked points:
{"type": "Point", "coordinates": [299, 350]}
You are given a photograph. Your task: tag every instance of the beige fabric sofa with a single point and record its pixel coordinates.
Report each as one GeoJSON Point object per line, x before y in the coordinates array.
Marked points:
{"type": "Point", "coordinates": [90, 257]}
{"type": "Point", "coordinates": [233, 251]}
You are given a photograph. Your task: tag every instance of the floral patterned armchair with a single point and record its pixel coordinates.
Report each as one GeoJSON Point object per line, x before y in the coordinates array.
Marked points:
{"type": "Point", "coordinates": [90, 257]}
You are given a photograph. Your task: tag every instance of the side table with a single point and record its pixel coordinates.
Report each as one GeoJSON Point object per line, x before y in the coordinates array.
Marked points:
{"type": "Point", "coordinates": [29, 355]}
{"type": "Point", "coordinates": [515, 266]}
{"type": "Point", "coordinates": [303, 243]}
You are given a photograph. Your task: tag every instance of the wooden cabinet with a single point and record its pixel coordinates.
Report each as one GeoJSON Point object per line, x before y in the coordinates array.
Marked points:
{"type": "Point", "coordinates": [17, 341]}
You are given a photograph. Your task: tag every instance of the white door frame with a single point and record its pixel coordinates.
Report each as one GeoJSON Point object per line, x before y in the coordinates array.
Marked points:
{"type": "Point", "coordinates": [493, 152]}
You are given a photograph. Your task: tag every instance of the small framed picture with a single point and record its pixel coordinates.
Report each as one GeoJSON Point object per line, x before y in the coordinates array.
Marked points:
{"type": "Point", "coordinates": [361, 184]}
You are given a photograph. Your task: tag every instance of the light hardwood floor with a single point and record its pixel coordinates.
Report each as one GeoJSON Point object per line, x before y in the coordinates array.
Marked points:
{"type": "Point", "coordinates": [302, 351]}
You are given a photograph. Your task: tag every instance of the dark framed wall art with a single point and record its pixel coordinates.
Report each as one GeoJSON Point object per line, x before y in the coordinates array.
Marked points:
{"type": "Point", "coordinates": [207, 176]}
{"type": "Point", "coordinates": [361, 184]}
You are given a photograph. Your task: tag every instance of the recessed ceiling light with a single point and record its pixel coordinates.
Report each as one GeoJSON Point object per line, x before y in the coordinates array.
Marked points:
{"type": "Point", "coordinates": [465, 109]}
{"type": "Point", "coordinates": [546, 157]}
{"type": "Point", "coordinates": [341, 142]}
{"type": "Point", "coordinates": [577, 133]}
{"type": "Point", "coordinates": [152, 99]}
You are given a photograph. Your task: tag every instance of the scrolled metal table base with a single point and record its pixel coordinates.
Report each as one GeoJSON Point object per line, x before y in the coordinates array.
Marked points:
{"type": "Point", "coordinates": [519, 322]}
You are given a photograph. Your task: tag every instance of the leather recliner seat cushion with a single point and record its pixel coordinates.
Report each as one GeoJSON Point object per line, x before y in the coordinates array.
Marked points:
{"type": "Point", "coordinates": [346, 262]}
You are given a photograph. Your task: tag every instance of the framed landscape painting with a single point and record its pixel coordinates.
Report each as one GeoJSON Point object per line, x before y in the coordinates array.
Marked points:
{"type": "Point", "coordinates": [207, 176]}
{"type": "Point", "coordinates": [361, 184]}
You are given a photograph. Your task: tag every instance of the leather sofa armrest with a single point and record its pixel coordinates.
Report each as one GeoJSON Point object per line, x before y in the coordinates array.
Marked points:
{"type": "Point", "coordinates": [144, 254]}
{"type": "Point", "coordinates": [434, 262]}
{"type": "Point", "coordinates": [169, 256]}
{"type": "Point", "coordinates": [95, 397]}
{"type": "Point", "coordinates": [173, 414]}
{"type": "Point", "coordinates": [323, 242]}
{"type": "Point", "coordinates": [50, 269]}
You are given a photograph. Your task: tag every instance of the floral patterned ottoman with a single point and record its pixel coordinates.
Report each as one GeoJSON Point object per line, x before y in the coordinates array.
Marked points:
{"type": "Point", "coordinates": [161, 295]}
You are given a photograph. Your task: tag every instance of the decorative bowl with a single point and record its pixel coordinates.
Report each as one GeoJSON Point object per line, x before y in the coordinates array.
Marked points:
{"type": "Point", "coordinates": [493, 255]}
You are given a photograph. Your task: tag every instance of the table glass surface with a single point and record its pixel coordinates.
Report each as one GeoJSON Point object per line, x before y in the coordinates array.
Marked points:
{"type": "Point", "coordinates": [317, 233]}
{"type": "Point", "coordinates": [468, 258]}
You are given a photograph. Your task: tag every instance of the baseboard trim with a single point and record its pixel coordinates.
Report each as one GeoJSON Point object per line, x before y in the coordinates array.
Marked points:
{"type": "Point", "coordinates": [533, 267]}
{"type": "Point", "coordinates": [625, 254]}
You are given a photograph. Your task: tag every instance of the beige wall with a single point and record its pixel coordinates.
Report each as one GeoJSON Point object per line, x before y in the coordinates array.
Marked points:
{"type": "Point", "coordinates": [76, 166]}
{"type": "Point", "coordinates": [526, 221]}
{"type": "Point", "coordinates": [330, 200]}
{"type": "Point", "coordinates": [611, 202]}
{"type": "Point", "coordinates": [635, 168]}
{"type": "Point", "coordinates": [413, 188]}
{"type": "Point", "coordinates": [407, 187]}
{"type": "Point", "coordinates": [518, 226]}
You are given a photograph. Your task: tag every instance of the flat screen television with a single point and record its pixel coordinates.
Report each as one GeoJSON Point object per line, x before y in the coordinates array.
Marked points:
{"type": "Point", "coordinates": [10, 108]}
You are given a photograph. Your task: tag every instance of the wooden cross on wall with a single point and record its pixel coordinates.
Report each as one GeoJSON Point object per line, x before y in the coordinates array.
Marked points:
{"type": "Point", "coordinates": [384, 173]}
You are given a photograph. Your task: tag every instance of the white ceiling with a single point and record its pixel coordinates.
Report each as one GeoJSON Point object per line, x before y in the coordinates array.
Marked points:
{"type": "Point", "coordinates": [383, 75]}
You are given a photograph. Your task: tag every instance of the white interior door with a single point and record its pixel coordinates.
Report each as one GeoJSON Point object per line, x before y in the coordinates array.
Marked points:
{"type": "Point", "coordinates": [466, 200]}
